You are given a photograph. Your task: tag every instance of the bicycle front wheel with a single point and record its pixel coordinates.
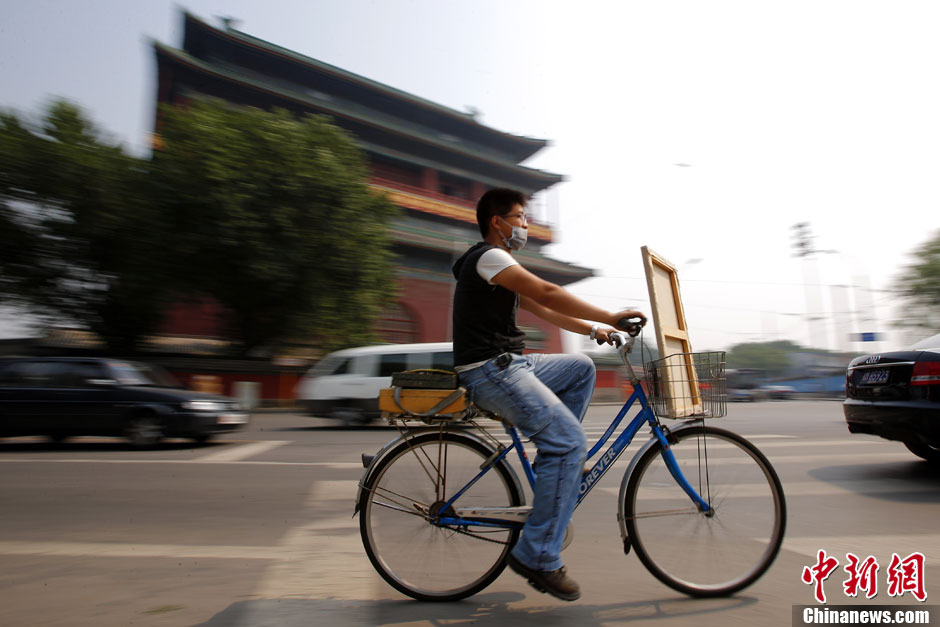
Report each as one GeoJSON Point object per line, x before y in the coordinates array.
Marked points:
{"type": "Point", "coordinates": [706, 554]}
{"type": "Point", "coordinates": [418, 557]}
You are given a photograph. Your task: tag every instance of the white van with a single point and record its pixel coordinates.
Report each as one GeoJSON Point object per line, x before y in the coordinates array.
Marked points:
{"type": "Point", "coordinates": [345, 385]}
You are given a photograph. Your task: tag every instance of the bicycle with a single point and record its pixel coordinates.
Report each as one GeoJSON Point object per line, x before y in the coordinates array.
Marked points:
{"type": "Point", "coordinates": [440, 506]}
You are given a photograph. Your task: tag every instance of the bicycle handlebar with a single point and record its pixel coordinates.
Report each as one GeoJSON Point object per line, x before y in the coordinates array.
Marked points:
{"type": "Point", "coordinates": [623, 342]}
{"type": "Point", "coordinates": [632, 326]}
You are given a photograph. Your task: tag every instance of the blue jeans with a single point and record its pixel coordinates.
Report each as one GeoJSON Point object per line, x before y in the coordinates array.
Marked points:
{"type": "Point", "coordinates": [545, 397]}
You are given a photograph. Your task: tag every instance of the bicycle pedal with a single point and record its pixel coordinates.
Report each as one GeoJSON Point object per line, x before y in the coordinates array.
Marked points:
{"type": "Point", "coordinates": [537, 586]}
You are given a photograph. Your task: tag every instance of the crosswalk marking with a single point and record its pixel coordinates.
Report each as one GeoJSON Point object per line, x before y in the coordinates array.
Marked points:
{"type": "Point", "coordinates": [328, 546]}
{"type": "Point", "coordinates": [809, 488]}
{"type": "Point", "coordinates": [237, 457]}
{"type": "Point", "coordinates": [323, 558]}
{"type": "Point", "coordinates": [124, 549]}
{"type": "Point", "coordinates": [881, 546]}
{"type": "Point", "coordinates": [241, 452]}
{"type": "Point", "coordinates": [320, 559]}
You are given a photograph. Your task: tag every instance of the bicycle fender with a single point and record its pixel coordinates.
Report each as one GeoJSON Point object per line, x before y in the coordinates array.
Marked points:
{"type": "Point", "coordinates": [369, 469]}
{"type": "Point", "coordinates": [621, 519]}
{"type": "Point", "coordinates": [368, 472]}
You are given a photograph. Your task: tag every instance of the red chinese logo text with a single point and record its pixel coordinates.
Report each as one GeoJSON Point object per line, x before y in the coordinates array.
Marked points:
{"type": "Point", "coordinates": [819, 573]}
{"type": "Point", "coordinates": [903, 575]}
{"type": "Point", "coordinates": [862, 575]}
{"type": "Point", "coordinates": [907, 575]}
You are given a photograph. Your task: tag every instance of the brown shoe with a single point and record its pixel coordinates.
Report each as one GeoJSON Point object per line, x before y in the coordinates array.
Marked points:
{"type": "Point", "coordinates": [555, 582]}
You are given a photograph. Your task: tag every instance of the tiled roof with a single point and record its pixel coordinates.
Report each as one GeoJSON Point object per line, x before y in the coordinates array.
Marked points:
{"type": "Point", "coordinates": [528, 144]}
{"type": "Point", "coordinates": [358, 114]}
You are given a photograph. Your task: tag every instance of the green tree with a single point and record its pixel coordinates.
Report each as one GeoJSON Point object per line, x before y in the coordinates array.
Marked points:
{"type": "Point", "coordinates": [772, 357]}
{"type": "Point", "coordinates": [919, 285]}
{"type": "Point", "coordinates": [275, 221]}
{"type": "Point", "coordinates": [79, 235]}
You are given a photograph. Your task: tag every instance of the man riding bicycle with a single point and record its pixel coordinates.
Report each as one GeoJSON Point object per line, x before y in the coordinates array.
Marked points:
{"type": "Point", "coordinates": [544, 396]}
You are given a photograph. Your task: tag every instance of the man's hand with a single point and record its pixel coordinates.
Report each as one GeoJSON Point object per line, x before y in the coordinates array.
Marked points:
{"type": "Point", "coordinates": [602, 335]}
{"type": "Point", "coordinates": [627, 314]}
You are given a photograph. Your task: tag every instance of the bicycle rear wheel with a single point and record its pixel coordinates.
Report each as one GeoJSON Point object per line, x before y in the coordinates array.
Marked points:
{"type": "Point", "coordinates": [706, 554]}
{"type": "Point", "coordinates": [424, 560]}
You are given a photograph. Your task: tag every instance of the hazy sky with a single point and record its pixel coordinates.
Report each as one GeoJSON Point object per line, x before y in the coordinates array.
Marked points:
{"type": "Point", "coordinates": [704, 130]}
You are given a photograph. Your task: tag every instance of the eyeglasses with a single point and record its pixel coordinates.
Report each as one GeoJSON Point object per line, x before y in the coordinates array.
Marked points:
{"type": "Point", "coordinates": [523, 216]}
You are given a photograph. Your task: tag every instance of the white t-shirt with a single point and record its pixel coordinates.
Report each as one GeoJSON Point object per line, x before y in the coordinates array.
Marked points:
{"type": "Point", "coordinates": [492, 262]}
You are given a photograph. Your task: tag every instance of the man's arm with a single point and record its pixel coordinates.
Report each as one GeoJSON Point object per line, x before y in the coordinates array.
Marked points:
{"type": "Point", "coordinates": [568, 323]}
{"type": "Point", "coordinates": [559, 301]}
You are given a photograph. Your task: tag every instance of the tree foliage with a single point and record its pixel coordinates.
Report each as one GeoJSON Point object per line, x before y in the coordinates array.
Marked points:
{"type": "Point", "coordinates": [772, 357]}
{"type": "Point", "coordinates": [77, 226]}
{"type": "Point", "coordinates": [267, 214]}
{"type": "Point", "coordinates": [919, 285]}
{"type": "Point", "coordinates": [275, 220]}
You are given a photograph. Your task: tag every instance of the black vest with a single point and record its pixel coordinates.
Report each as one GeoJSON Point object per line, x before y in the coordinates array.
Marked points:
{"type": "Point", "coordinates": [484, 314]}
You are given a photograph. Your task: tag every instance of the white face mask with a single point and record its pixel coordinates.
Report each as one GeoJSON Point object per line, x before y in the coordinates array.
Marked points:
{"type": "Point", "coordinates": [517, 240]}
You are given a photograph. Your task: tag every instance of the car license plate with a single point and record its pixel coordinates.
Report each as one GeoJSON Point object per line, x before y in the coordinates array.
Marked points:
{"type": "Point", "coordinates": [232, 419]}
{"type": "Point", "coordinates": [874, 377]}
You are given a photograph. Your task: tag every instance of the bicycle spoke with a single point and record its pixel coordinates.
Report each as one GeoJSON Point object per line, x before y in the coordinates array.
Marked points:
{"type": "Point", "coordinates": [688, 511]}
{"type": "Point", "coordinates": [382, 491]}
{"type": "Point", "coordinates": [403, 510]}
{"type": "Point", "coordinates": [435, 476]}
{"type": "Point", "coordinates": [703, 553]}
{"type": "Point", "coordinates": [402, 499]}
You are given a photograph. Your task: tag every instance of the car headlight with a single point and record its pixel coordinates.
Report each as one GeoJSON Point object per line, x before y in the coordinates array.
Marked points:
{"type": "Point", "coordinates": [203, 406]}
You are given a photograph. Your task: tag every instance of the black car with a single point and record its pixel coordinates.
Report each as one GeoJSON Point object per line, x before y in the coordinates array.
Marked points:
{"type": "Point", "coordinates": [897, 396]}
{"type": "Point", "coordinates": [70, 396]}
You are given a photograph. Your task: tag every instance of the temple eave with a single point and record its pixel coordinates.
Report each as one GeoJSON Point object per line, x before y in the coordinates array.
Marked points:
{"type": "Point", "coordinates": [309, 103]}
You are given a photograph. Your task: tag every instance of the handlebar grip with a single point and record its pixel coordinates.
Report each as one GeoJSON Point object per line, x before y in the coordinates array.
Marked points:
{"type": "Point", "coordinates": [632, 328]}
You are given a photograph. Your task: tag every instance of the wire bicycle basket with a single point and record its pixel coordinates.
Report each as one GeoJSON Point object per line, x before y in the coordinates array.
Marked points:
{"type": "Point", "coordinates": [688, 385]}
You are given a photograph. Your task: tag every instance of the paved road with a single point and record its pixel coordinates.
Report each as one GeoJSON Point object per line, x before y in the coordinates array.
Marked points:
{"type": "Point", "coordinates": [258, 530]}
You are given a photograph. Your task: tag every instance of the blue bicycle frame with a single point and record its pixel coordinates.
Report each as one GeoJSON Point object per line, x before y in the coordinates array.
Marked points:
{"type": "Point", "coordinates": [601, 466]}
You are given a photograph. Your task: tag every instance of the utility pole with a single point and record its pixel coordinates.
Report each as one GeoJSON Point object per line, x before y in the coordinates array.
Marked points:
{"type": "Point", "coordinates": [806, 249]}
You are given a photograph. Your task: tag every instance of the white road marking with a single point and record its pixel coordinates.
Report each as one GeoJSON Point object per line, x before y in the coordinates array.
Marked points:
{"type": "Point", "coordinates": [236, 458]}
{"type": "Point", "coordinates": [831, 458]}
{"type": "Point", "coordinates": [123, 549]}
{"type": "Point", "coordinates": [333, 465]}
{"type": "Point", "coordinates": [769, 436]}
{"type": "Point", "coordinates": [321, 559]}
{"type": "Point", "coordinates": [816, 443]}
{"type": "Point", "coordinates": [813, 488]}
{"type": "Point", "coordinates": [242, 452]}
{"type": "Point", "coordinates": [324, 558]}
{"type": "Point", "coordinates": [881, 546]}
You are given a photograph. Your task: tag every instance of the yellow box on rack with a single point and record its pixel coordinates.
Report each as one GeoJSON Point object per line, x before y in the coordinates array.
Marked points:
{"type": "Point", "coordinates": [420, 402]}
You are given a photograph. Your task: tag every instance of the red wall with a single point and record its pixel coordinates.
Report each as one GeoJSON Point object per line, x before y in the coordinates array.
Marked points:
{"type": "Point", "coordinates": [429, 303]}
{"type": "Point", "coordinates": [274, 386]}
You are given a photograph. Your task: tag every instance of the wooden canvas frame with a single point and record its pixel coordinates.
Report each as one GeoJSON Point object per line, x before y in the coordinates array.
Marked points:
{"type": "Point", "coordinates": [680, 387]}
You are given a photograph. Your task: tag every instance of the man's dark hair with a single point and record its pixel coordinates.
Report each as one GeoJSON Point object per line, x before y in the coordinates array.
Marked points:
{"type": "Point", "coordinates": [497, 202]}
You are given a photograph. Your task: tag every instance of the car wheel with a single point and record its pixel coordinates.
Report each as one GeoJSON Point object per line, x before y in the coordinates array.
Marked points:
{"type": "Point", "coordinates": [144, 430]}
{"type": "Point", "coordinates": [202, 438]}
{"type": "Point", "coordinates": [925, 451]}
{"type": "Point", "coordinates": [350, 416]}
{"type": "Point", "coordinates": [57, 438]}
